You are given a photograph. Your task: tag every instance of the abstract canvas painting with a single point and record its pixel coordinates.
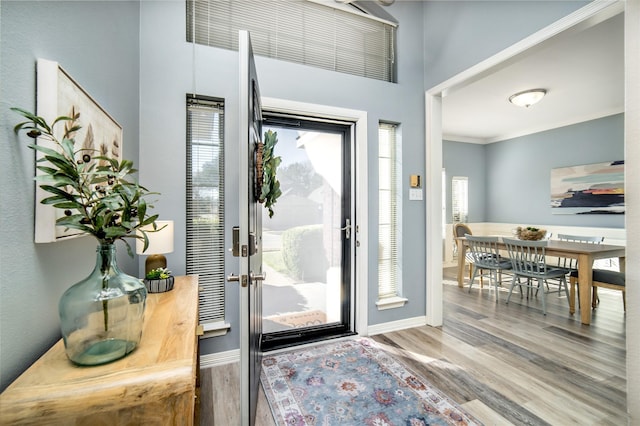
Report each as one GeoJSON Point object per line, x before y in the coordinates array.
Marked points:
{"type": "Point", "coordinates": [588, 189]}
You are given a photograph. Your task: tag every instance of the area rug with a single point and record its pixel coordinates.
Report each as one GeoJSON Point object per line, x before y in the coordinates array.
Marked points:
{"type": "Point", "coordinates": [352, 382]}
{"type": "Point", "coordinates": [301, 319]}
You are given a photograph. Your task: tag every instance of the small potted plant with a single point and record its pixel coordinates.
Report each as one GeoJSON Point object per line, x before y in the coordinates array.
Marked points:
{"type": "Point", "coordinates": [159, 280]}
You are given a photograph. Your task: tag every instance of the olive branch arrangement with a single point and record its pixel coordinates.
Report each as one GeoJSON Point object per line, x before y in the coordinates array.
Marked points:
{"type": "Point", "coordinates": [94, 191]}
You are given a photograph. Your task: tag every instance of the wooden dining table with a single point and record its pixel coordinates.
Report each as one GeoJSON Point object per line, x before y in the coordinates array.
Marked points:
{"type": "Point", "coordinates": [585, 254]}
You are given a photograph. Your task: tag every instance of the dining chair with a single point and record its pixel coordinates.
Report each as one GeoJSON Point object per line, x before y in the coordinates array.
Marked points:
{"type": "Point", "coordinates": [571, 265]}
{"type": "Point", "coordinates": [459, 231]}
{"type": "Point", "coordinates": [486, 257]}
{"type": "Point", "coordinates": [528, 261]}
{"type": "Point", "coordinates": [604, 278]}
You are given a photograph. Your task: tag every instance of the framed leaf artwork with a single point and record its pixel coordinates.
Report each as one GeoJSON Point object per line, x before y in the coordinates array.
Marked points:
{"type": "Point", "coordinates": [58, 94]}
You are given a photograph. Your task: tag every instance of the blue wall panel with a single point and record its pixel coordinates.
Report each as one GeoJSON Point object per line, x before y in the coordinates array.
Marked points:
{"type": "Point", "coordinates": [518, 171]}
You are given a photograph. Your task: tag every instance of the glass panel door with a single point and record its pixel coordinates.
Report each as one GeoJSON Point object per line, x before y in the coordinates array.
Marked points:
{"type": "Point", "coordinates": [307, 242]}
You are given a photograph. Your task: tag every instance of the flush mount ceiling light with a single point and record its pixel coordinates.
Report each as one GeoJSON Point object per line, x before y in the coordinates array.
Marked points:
{"type": "Point", "coordinates": [528, 97]}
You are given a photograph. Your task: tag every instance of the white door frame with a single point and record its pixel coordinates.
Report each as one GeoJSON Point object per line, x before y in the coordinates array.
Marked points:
{"type": "Point", "coordinates": [589, 15]}
{"type": "Point", "coordinates": [361, 195]}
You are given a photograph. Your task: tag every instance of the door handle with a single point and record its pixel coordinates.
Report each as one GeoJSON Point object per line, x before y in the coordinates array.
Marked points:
{"type": "Point", "coordinates": [258, 277]}
{"type": "Point", "coordinates": [347, 229]}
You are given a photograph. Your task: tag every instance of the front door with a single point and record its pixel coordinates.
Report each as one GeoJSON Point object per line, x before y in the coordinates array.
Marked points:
{"type": "Point", "coordinates": [250, 235]}
{"type": "Point", "coordinates": [307, 244]}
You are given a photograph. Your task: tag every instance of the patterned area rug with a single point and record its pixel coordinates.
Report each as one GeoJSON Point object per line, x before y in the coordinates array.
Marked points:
{"type": "Point", "coordinates": [352, 382]}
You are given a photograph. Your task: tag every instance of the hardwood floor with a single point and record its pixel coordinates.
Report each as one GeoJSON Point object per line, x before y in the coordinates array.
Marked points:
{"type": "Point", "coordinates": [505, 364]}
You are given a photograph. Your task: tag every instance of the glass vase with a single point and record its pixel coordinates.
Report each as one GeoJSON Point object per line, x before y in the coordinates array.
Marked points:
{"type": "Point", "coordinates": [101, 316]}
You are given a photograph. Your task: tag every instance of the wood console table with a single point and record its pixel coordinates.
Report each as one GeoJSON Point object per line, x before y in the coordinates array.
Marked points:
{"type": "Point", "coordinates": [154, 385]}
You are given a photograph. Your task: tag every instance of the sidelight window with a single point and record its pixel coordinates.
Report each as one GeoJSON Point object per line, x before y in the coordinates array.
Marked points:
{"type": "Point", "coordinates": [205, 206]}
{"type": "Point", "coordinates": [389, 208]}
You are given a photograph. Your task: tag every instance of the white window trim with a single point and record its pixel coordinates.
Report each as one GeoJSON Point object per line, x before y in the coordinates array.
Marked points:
{"type": "Point", "coordinates": [391, 303]}
{"type": "Point", "coordinates": [214, 329]}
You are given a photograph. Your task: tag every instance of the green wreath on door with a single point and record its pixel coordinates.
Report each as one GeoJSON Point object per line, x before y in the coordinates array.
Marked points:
{"type": "Point", "coordinates": [267, 184]}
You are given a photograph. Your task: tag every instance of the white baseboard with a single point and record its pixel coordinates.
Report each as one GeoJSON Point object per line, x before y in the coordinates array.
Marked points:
{"type": "Point", "coordinates": [388, 327]}
{"type": "Point", "coordinates": [219, 358]}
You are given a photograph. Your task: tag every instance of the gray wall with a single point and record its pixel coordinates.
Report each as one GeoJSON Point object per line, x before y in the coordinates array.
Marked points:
{"type": "Point", "coordinates": [459, 34]}
{"type": "Point", "coordinates": [167, 73]}
{"type": "Point", "coordinates": [518, 171]}
{"type": "Point", "coordinates": [499, 172]}
{"type": "Point", "coordinates": [97, 43]}
{"type": "Point", "coordinates": [467, 159]}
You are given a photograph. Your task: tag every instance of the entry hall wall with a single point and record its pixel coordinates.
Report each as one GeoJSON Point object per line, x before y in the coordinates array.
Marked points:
{"type": "Point", "coordinates": [167, 71]}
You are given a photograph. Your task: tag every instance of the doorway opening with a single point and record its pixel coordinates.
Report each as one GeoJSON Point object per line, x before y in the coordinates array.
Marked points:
{"type": "Point", "coordinates": [308, 243]}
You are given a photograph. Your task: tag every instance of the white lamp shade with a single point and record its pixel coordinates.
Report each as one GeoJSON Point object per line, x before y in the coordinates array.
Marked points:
{"type": "Point", "coordinates": [160, 241]}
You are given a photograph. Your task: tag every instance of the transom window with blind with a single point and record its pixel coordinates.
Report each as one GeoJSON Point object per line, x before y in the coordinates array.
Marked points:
{"type": "Point", "coordinates": [205, 206]}
{"type": "Point", "coordinates": [389, 209]}
{"type": "Point", "coordinates": [339, 38]}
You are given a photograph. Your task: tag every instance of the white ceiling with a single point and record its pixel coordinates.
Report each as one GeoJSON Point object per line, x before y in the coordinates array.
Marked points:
{"type": "Point", "coordinates": [582, 71]}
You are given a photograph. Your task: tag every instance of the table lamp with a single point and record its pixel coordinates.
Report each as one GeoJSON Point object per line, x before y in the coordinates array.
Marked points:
{"type": "Point", "coordinates": [160, 242]}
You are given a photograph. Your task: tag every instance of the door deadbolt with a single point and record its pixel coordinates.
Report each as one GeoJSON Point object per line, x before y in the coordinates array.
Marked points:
{"type": "Point", "coordinates": [242, 279]}
{"type": "Point", "coordinates": [243, 250]}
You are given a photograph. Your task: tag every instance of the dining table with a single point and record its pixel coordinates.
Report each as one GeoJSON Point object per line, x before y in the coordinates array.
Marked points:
{"type": "Point", "coordinates": [585, 253]}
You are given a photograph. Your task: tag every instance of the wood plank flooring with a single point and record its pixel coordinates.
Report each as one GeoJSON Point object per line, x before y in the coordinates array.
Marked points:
{"type": "Point", "coordinates": [504, 363]}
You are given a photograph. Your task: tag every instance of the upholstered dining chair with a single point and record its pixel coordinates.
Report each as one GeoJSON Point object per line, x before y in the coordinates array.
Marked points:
{"type": "Point", "coordinates": [459, 231]}
{"type": "Point", "coordinates": [486, 257]}
{"type": "Point", "coordinates": [528, 261]}
{"type": "Point", "coordinates": [604, 278]}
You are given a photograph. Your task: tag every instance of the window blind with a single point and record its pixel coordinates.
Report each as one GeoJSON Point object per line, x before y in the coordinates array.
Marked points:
{"type": "Point", "coordinates": [205, 203]}
{"type": "Point", "coordinates": [460, 198]}
{"type": "Point", "coordinates": [387, 212]}
{"type": "Point", "coordinates": [298, 31]}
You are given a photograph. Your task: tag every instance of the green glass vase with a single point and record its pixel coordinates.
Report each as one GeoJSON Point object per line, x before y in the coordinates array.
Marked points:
{"type": "Point", "coordinates": [101, 316]}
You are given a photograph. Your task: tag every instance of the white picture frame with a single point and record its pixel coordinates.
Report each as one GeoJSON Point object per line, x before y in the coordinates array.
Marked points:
{"type": "Point", "coordinates": [57, 95]}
